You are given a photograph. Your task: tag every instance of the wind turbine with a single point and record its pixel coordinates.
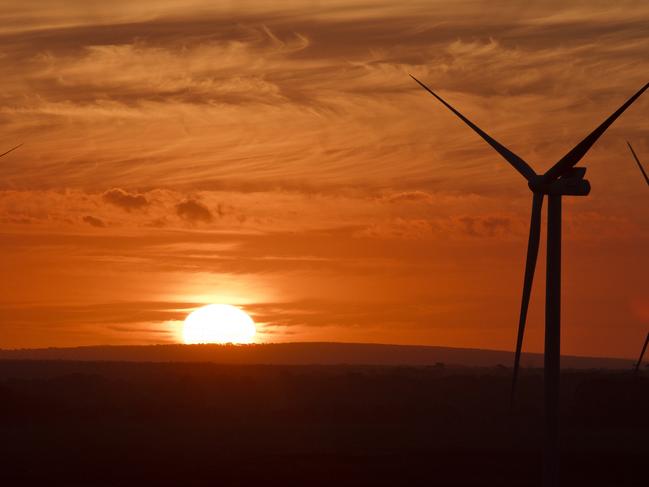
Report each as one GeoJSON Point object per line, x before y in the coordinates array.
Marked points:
{"type": "Point", "coordinates": [562, 179]}
{"type": "Point", "coordinates": [644, 348]}
{"type": "Point", "coordinates": [646, 178]}
{"type": "Point", "coordinates": [10, 150]}
{"type": "Point", "coordinates": [646, 341]}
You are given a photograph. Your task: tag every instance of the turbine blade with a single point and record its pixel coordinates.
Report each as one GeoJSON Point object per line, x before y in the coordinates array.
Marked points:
{"type": "Point", "coordinates": [579, 151]}
{"type": "Point", "coordinates": [519, 164]}
{"type": "Point", "coordinates": [644, 348]}
{"type": "Point", "coordinates": [530, 265]}
{"type": "Point", "coordinates": [10, 150]}
{"type": "Point", "coordinates": [646, 178]}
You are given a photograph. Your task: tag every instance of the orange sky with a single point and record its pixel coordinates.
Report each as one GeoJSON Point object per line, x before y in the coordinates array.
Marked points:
{"type": "Point", "coordinates": [280, 158]}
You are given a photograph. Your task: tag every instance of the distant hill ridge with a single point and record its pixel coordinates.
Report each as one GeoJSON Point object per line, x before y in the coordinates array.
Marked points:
{"type": "Point", "coordinates": [306, 353]}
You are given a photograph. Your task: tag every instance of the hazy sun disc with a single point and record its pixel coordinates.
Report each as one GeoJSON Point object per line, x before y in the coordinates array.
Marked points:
{"type": "Point", "coordinates": [218, 323]}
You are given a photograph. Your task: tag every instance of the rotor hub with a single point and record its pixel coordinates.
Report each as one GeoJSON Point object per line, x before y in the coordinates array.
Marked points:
{"type": "Point", "coordinates": [571, 183]}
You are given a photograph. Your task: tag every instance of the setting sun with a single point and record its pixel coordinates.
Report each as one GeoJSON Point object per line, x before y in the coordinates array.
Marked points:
{"type": "Point", "coordinates": [218, 323]}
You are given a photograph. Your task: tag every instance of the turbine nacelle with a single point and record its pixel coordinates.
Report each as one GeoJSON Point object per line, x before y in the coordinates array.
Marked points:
{"type": "Point", "coordinates": [571, 183]}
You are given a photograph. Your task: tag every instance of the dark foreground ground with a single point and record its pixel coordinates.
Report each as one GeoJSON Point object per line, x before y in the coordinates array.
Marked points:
{"type": "Point", "coordinates": [147, 424]}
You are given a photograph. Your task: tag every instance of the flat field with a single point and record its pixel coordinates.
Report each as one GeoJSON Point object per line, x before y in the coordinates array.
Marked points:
{"type": "Point", "coordinates": [66, 423]}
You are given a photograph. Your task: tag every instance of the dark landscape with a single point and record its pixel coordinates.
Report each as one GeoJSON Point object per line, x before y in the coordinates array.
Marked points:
{"type": "Point", "coordinates": [307, 354]}
{"type": "Point", "coordinates": [107, 423]}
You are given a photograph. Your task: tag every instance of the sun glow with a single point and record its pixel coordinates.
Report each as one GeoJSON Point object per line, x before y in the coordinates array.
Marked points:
{"type": "Point", "coordinates": [218, 323]}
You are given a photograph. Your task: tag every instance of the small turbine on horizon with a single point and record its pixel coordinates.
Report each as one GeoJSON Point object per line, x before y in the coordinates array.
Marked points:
{"type": "Point", "coordinates": [646, 178]}
{"type": "Point", "coordinates": [562, 179]}
{"type": "Point", "coordinates": [644, 349]}
{"type": "Point", "coordinates": [10, 150]}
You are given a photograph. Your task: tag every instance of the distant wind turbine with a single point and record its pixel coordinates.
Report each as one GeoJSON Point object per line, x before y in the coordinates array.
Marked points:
{"type": "Point", "coordinates": [646, 341]}
{"type": "Point", "coordinates": [644, 348]}
{"type": "Point", "coordinates": [10, 150]}
{"type": "Point", "coordinates": [646, 178]}
{"type": "Point", "coordinates": [562, 179]}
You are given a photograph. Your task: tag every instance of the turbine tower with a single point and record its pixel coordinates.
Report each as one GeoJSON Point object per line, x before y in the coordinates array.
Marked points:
{"type": "Point", "coordinates": [562, 179]}
{"type": "Point", "coordinates": [644, 348]}
{"type": "Point", "coordinates": [646, 178]}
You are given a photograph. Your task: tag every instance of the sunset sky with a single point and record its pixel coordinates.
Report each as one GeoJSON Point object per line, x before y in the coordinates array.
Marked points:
{"type": "Point", "coordinates": [277, 156]}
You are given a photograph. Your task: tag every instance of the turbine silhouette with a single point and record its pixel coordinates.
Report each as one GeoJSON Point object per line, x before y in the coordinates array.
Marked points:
{"type": "Point", "coordinates": [10, 150]}
{"type": "Point", "coordinates": [646, 178]}
{"type": "Point", "coordinates": [644, 348]}
{"type": "Point", "coordinates": [562, 179]}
